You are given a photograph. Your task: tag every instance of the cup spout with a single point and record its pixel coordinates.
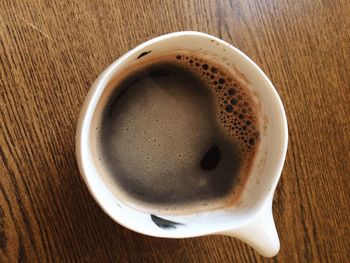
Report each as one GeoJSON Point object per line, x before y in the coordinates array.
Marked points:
{"type": "Point", "coordinates": [260, 232]}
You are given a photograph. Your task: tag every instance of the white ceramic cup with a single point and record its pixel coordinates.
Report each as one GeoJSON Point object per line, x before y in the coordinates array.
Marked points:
{"type": "Point", "coordinates": [251, 218]}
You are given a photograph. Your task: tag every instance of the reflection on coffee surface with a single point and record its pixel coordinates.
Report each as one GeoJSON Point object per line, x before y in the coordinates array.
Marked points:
{"type": "Point", "coordinates": [177, 134]}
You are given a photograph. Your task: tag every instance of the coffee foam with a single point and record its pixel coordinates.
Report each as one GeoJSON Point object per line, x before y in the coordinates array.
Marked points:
{"type": "Point", "coordinates": [235, 106]}
{"type": "Point", "coordinates": [235, 111]}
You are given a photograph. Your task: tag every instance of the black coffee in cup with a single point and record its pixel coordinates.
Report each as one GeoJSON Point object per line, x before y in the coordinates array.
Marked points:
{"type": "Point", "coordinates": [176, 133]}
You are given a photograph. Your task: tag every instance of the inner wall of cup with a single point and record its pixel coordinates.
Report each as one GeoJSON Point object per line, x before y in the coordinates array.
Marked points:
{"type": "Point", "coordinates": [260, 181]}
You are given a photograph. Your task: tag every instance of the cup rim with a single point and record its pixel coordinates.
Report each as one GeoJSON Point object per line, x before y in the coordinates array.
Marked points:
{"type": "Point", "coordinates": [92, 99]}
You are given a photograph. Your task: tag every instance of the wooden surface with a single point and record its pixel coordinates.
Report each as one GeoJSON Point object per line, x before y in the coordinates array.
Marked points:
{"type": "Point", "coordinates": [52, 51]}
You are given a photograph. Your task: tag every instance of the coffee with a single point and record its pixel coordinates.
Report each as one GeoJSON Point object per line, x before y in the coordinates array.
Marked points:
{"type": "Point", "coordinates": [176, 134]}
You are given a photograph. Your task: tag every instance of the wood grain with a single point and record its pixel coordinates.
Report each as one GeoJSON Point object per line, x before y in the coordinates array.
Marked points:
{"type": "Point", "coordinates": [51, 52]}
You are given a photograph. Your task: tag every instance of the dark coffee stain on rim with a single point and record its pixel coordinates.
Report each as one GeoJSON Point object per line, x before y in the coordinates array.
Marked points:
{"type": "Point", "coordinates": [164, 223]}
{"type": "Point", "coordinates": [144, 54]}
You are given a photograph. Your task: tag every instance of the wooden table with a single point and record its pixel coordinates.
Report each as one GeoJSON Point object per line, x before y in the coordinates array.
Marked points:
{"type": "Point", "coordinates": [52, 51]}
